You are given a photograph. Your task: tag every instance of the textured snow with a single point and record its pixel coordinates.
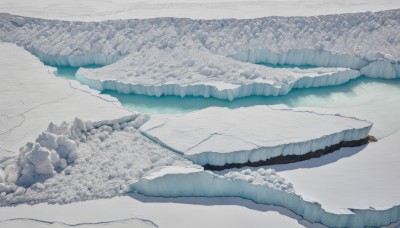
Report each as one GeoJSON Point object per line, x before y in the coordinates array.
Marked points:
{"type": "Point", "coordinates": [347, 39]}
{"type": "Point", "coordinates": [366, 42]}
{"type": "Point", "coordinates": [32, 97]}
{"type": "Point", "coordinates": [183, 72]}
{"type": "Point", "coordinates": [351, 178]}
{"type": "Point", "coordinates": [219, 136]}
{"type": "Point", "coordinates": [82, 160]}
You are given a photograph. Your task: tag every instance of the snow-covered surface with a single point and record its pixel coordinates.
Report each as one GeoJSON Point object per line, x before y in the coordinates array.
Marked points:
{"type": "Point", "coordinates": [334, 40]}
{"type": "Point", "coordinates": [202, 52]}
{"type": "Point", "coordinates": [90, 10]}
{"type": "Point", "coordinates": [106, 157]}
{"type": "Point", "coordinates": [350, 178]}
{"type": "Point", "coordinates": [34, 223]}
{"type": "Point", "coordinates": [179, 213]}
{"type": "Point", "coordinates": [261, 186]}
{"type": "Point", "coordinates": [219, 136]}
{"type": "Point", "coordinates": [369, 43]}
{"type": "Point", "coordinates": [186, 72]}
{"type": "Point", "coordinates": [32, 97]}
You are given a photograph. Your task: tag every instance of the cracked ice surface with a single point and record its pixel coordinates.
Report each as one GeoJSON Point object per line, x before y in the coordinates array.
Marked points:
{"type": "Point", "coordinates": [218, 136]}
{"type": "Point", "coordinates": [34, 223]}
{"type": "Point", "coordinates": [361, 177]}
{"type": "Point", "coordinates": [32, 97]}
{"type": "Point", "coordinates": [261, 186]}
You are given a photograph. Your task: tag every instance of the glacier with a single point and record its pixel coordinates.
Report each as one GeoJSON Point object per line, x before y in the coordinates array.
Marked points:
{"type": "Point", "coordinates": [256, 186]}
{"type": "Point", "coordinates": [363, 43]}
{"type": "Point", "coordinates": [220, 138]}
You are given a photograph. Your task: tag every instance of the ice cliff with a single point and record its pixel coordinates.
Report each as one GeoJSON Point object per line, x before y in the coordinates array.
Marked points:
{"type": "Point", "coordinates": [221, 136]}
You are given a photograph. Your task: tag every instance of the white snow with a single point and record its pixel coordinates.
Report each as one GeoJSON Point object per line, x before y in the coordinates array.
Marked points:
{"type": "Point", "coordinates": [219, 136]}
{"type": "Point", "coordinates": [333, 40]}
{"type": "Point", "coordinates": [32, 97]}
{"type": "Point", "coordinates": [195, 57]}
{"type": "Point", "coordinates": [220, 212]}
{"type": "Point", "coordinates": [358, 178]}
{"type": "Point", "coordinates": [90, 10]}
{"type": "Point", "coordinates": [34, 223]}
{"type": "Point", "coordinates": [105, 161]}
{"type": "Point", "coordinates": [261, 186]}
{"type": "Point", "coordinates": [186, 72]}
{"type": "Point", "coordinates": [82, 160]}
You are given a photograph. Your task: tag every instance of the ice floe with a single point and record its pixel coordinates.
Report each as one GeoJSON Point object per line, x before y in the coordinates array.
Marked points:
{"type": "Point", "coordinates": [260, 186]}
{"type": "Point", "coordinates": [223, 137]}
{"type": "Point", "coordinates": [183, 72]}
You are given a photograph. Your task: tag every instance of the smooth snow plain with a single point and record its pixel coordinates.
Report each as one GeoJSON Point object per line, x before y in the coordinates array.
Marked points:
{"type": "Point", "coordinates": [91, 10]}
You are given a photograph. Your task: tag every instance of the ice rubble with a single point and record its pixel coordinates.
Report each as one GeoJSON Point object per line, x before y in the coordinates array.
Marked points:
{"type": "Point", "coordinates": [369, 36]}
{"type": "Point", "coordinates": [365, 42]}
{"type": "Point", "coordinates": [261, 186]}
{"type": "Point", "coordinates": [182, 72]}
{"type": "Point", "coordinates": [221, 136]}
{"type": "Point", "coordinates": [85, 159]}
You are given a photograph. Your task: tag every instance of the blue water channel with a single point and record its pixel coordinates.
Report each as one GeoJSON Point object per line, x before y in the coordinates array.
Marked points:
{"type": "Point", "coordinates": [376, 100]}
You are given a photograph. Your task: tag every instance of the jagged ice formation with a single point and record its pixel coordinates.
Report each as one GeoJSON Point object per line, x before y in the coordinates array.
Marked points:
{"type": "Point", "coordinates": [365, 42]}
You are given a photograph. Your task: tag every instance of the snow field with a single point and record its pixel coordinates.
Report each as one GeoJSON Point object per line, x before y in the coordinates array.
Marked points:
{"type": "Point", "coordinates": [90, 10]}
